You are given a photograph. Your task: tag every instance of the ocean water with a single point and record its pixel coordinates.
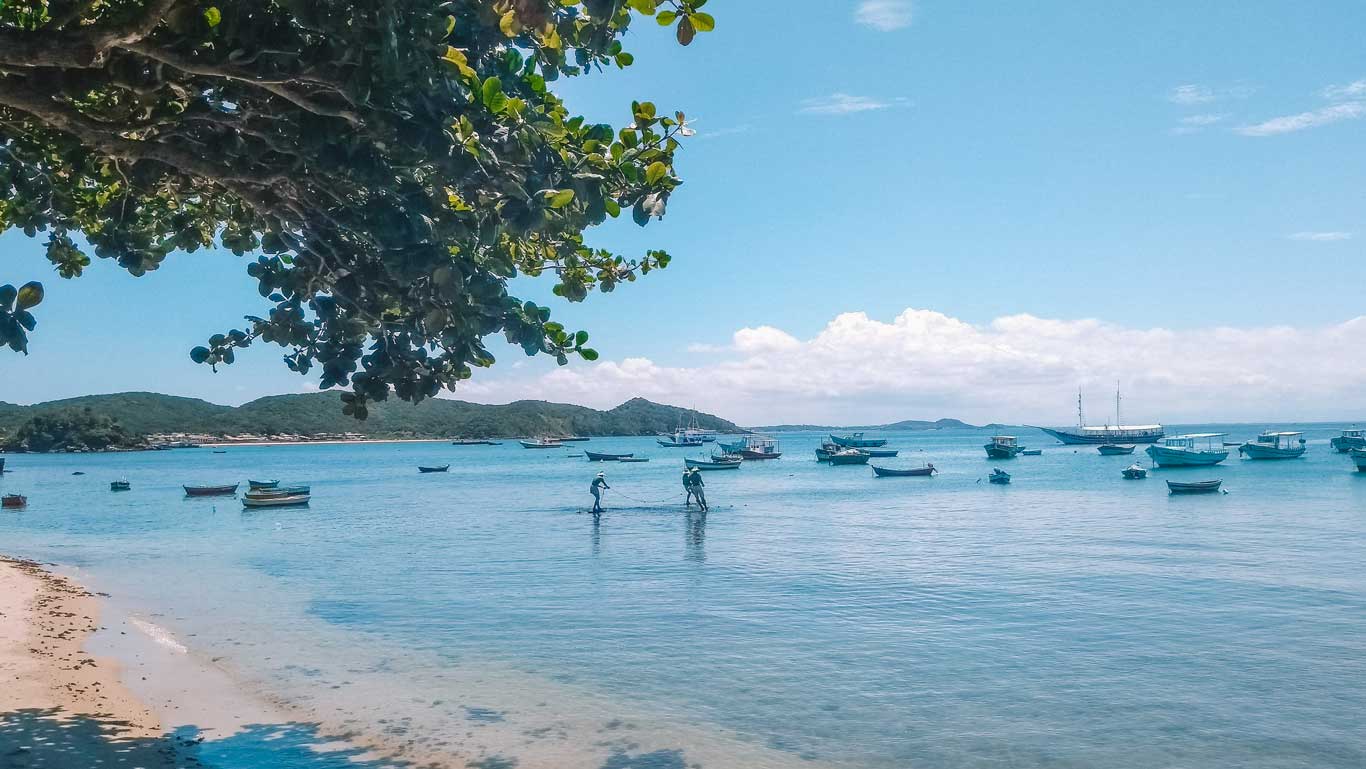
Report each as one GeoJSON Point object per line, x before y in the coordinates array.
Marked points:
{"type": "Point", "coordinates": [816, 617]}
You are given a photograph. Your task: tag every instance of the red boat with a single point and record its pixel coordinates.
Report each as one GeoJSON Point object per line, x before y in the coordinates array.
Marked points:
{"type": "Point", "coordinates": [210, 491]}
{"type": "Point", "coordinates": [13, 501]}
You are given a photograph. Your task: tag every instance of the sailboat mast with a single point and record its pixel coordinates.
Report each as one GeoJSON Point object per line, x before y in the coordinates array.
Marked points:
{"type": "Point", "coordinates": [1118, 420]}
{"type": "Point", "coordinates": [1081, 418]}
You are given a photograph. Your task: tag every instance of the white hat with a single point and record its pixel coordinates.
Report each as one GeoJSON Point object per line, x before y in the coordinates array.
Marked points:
{"type": "Point", "coordinates": [602, 475]}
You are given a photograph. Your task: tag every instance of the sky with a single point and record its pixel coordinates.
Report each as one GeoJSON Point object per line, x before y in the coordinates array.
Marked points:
{"type": "Point", "coordinates": [911, 210]}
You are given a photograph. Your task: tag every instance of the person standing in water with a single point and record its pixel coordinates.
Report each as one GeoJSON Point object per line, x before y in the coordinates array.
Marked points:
{"type": "Point", "coordinates": [687, 485]}
{"type": "Point", "coordinates": [599, 486]}
{"type": "Point", "coordinates": [695, 485]}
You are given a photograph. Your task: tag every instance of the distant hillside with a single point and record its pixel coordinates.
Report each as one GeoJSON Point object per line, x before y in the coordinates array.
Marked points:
{"type": "Point", "coordinates": [906, 424]}
{"type": "Point", "coordinates": [317, 413]}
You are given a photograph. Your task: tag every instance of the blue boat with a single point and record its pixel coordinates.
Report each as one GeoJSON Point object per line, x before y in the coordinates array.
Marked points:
{"type": "Point", "coordinates": [1193, 450]}
{"type": "Point", "coordinates": [1003, 447]}
{"type": "Point", "coordinates": [1274, 445]}
{"type": "Point", "coordinates": [1115, 449]}
{"type": "Point", "coordinates": [857, 441]}
{"type": "Point", "coordinates": [1350, 439]}
{"type": "Point", "coordinates": [1359, 456]}
{"type": "Point", "coordinates": [1117, 433]}
{"type": "Point", "coordinates": [998, 476]}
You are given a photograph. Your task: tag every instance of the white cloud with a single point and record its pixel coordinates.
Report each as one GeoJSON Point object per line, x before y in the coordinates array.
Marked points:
{"type": "Point", "coordinates": [1195, 123]}
{"type": "Point", "coordinates": [1322, 237]}
{"type": "Point", "coordinates": [1354, 90]}
{"type": "Point", "coordinates": [884, 15]}
{"type": "Point", "coordinates": [1019, 368]}
{"type": "Point", "coordinates": [846, 104]}
{"type": "Point", "coordinates": [1191, 93]}
{"type": "Point", "coordinates": [1311, 119]}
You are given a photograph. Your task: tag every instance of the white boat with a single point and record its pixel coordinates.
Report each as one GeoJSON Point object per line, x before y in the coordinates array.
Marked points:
{"type": "Point", "coordinates": [1274, 445]}
{"type": "Point", "coordinates": [275, 500]}
{"type": "Point", "coordinates": [1118, 433]}
{"type": "Point", "coordinates": [1192, 450]}
{"type": "Point", "coordinates": [680, 438]}
{"type": "Point", "coordinates": [1350, 439]}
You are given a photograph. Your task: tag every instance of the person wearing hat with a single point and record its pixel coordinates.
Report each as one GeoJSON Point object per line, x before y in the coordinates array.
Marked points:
{"type": "Point", "coordinates": [599, 486]}
{"type": "Point", "coordinates": [695, 485]}
{"type": "Point", "coordinates": [687, 484]}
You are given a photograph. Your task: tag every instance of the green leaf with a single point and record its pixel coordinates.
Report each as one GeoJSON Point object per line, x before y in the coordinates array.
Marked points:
{"type": "Point", "coordinates": [703, 22]}
{"type": "Point", "coordinates": [213, 16]}
{"type": "Point", "coordinates": [646, 7]}
{"type": "Point", "coordinates": [613, 209]}
{"type": "Point", "coordinates": [493, 96]}
{"type": "Point", "coordinates": [7, 294]}
{"type": "Point", "coordinates": [199, 354]}
{"type": "Point", "coordinates": [561, 199]}
{"type": "Point", "coordinates": [450, 25]}
{"type": "Point", "coordinates": [580, 337]}
{"type": "Point", "coordinates": [665, 18]}
{"type": "Point", "coordinates": [588, 353]}
{"type": "Point", "coordinates": [30, 295]}
{"type": "Point", "coordinates": [655, 171]}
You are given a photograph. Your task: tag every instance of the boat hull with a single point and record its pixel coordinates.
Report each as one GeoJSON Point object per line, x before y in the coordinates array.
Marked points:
{"type": "Point", "coordinates": [891, 472]}
{"type": "Point", "coordinates": [210, 491]}
{"type": "Point", "coordinates": [441, 469]}
{"type": "Point", "coordinates": [1342, 444]}
{"type": "Point", "coordinates": [1113, 436]}
{"type": "Point", "coordinates": [533, 445]}
{"type": "Point", "coordinates": [858, 443]}
{"type": "Point", "coordinates": [747, 454]}
{"type": "Point", "coordinates": [13, 501]}
{"type": "Point", "coordinates": [1114, 450]}
{"type": "Point", "coordinates": [1359, 456]}
{"type": "Point", "coordinates": [1260, 451]}
{"type": "Point", "coordinates": [849, 459]}
{"type": "Point", "coordinates": [296, 500]}
{"type": "Point", "coordinates": [594, 456]}
{"type": "Point", "coordinates": [1167, 457]}
{"type": "Point", "coordinates": [695, 464]}
{"type": "Point", "coordinates": [1135, 474]}
{"type": "Point", "coordinates": [1197, 487]}
{"type": "Point", "coordinates": [1002, 452]}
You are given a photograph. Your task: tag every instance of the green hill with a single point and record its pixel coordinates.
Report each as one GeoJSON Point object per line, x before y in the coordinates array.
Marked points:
{"type": "Point", "coordinates": [312, 414]}
{"type": "Point", "coordinates": [906, 424]}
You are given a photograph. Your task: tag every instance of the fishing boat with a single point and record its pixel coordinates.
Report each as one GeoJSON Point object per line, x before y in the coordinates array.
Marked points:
{"type": "Point", "coordinates": [1115, 449]}
{"type": "Point", "coordinates": [998, 476]}
{"type": "Point", "coordinates": [472, 442]}
{"type": "Point", "coordinates": [1031, 452]}
{"type": "Point", "coordinates": [573, 439]}
{"type": "Point", "coordinates": [252, 485]}
{"type": "Point", "coordinates": [541, 443]}
{"type": "Point", "coordinates": [280, 491]}
{"type": "Point", "coordinates": [1194, 487]}
{"type": "Point", "coordinates": [13, 501]}
{"type": "Point", "coordinates": [679, 439]}
{"type": "Point", "coordinates": [1135, 472]}
{"type": "Point", "coordinates": [857, 441]}
{"type": "Point", "coordinates": [437, 469]}
{"type": "Point", "coordinates": [634, 459]}
{"type": "Point", "coordinates": [1350, 439]}
{"type": "Point", "coordinates": [594, 456]}
{"type": "Point", "coordinates": [910, 472]}
{"type": "Point", "coordinates": [727, 458]}
{"type": "Point", "coordinates": [1116, 433]}
{"type": "Point", "coordinates": [752, 447]}
{"type": "Point", "coordinates": [1359, 456]}
{"type": "Point", "coordinates": [882, 453]}
{"type": "Point", "coordinates": [275, 500]}
{"type": "Point", "coordinates": [849, 457]}
{"type": "Point", "coordinates": [120, 486]}
{"type": "Point", "coordinates": [210, 491]}
{"type": "Point", "coordinates": [1003, 447]}
{"type": "Point", "coordinates": [1195, 449]}
{"type": "Point", "coordinates": [702, 464]}
{"type": "Point", "coordinates": [1274, 445]}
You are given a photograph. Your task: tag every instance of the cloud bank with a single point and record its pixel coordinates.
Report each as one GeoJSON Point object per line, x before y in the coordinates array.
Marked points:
{"type": "Point", "coordinates": [1019, 368]}
{"type": "Point", "coordinates": [884, 15]}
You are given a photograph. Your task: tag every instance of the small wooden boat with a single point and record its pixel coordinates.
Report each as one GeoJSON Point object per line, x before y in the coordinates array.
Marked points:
{"type": "Point", "coordinates": [857, 441]}
{"type": "Point", "coordinates": [574, 439]}
{"type": "Point", "coordinates": [1135, 472]}
{"type": "Point", "coordinates": [998, 476]}
{"type": "Point", "coordinates": [13, 501]}
{"type": "Point", "coordinates": [1350, 439]}
{"type": "Point", "coordinates": [221, 451]}
{"type": "Point", "coordinates": [472, 442]}
{"type": "Point", "coordinates": [727, 458]}
{"type": "Point", "coordinates": [594, 456]}
{"type": "Point", "coordinates": [702, 464]}
{"type": "Point", "coordinates": [634, 459]}
{"type": "Point", "coordinates": [1003, 447]}
{"type": "Point", "coordinates": [849, 457]}
{"type": "Point", "coordinates": [1031, 452]}
{"type": "Point", "coordinates": [275, 500]}
{"type": "Point", "coordinates": [79, 472]}
{"type": "Point", "coordinates": [210, 491]}
{"type": "Point", "coordinates": [262, 484]}
{"type": "Point", "coordinates": [280, 491]}
{"type": "Point", "coordinates": [438, 469]}
{"type": "Point", "coordinates": [120, 486]}
{"type": "Point", "coordinates": [1115, 449]}
{"type": "Point", "coordinates": [1274, 445]}
{"type": "Point", "coordinates": [1359, 457]}
{"type": "Point", "coordinates": [541, 443]}
{"type": "Point", "coordinates": [892, 472]}
{"type": "Point", "coordinates": [882, 453]}
{"type": "Point", "coordinates": [1193, 487]}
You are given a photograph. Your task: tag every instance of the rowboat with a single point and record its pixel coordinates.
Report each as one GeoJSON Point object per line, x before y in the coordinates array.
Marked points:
{"type": "Point", "coordinates": [594, 456]}
{"type": "Point", "coordinates": [573, 439]}
{"type": "Point", "coordinates": [634, 459]}
{"type": "Point", "coordinates": [1193, 450]}
{"type": "Point", "coordinates": [882, 453]}
{"type": "Point", "coordinates": [857, 441]}
{"type": "Point", "coordinates": [849, 457]}
{"type": "Point", "coordinates": [275, 500]}
{"type": "Point", "coordinates": [702, 464]}
{"type": "Point", "coordinates": [1003, 447]}
{"type": "Point", "coordinates": [1115, 449]}
{"type": "Point", "coordinates": [472, 442]}
{"type": "Point", "coordinates": [1135, 472]}
{"type": "Point", "coordinates": [1193, 487]}
{"type": "Point", "coordinates": [1031, 452]}
{"type": "Point", "coordinates": [210, 491]}
{"type": "Point", "coordinates": [541, 443]}
{"type": "Point", "coordinates": [438, 469]}
{"type": "Point", "coordinates": [892, 472]}
{"type": "Point", "coordinates": [280, 491]}
{"type": "Point", "coordinates": [262, 484]}
{"type": "Point", "coordinates": [120, 486]}
{"type": "Point", "coordinates": [1350, 439]}
{"type": "Point", "coordinates": [1359, 456]}
{"type": "Point", "coordinates": [1274, 445]}
{"type": "Point", "coordinates": [998, 476]}
{"type": "Point", "coordinates": [13, 501]}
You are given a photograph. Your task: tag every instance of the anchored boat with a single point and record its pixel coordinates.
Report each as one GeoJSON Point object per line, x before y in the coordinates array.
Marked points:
{"type": "Point", "coordinates": [849, 457]}
{"type": "Point", "coordinates": [1115, 449]}
{"type": "Point", "coordinates": [1359, 456]}
{"type": "Point", "coordinates": [1350, 439]}
{"type": "Point", "coordinates": [437, 469]}
{"type": "Point", "coordinates": [998, 476]}
{"type": "Point", "coordinates": [1135, 472]}
{"type": "Point", "coordinates": [594, 456]}
{"type": "Point", "coordinates": [1116, 433]}
{"type": "Point", "coordinates": [1193, 450]}
{"type": "Point", "coordinates": [13, 501]}
{"type": "Point", "coordinates": [120, 486]}
{"type": "Point", "coordinates": [1193, 487]}
{"type": "Point", "coordinates": [275, 500]}
{"type": "Point", "coordinates": [253, 485]}
{"type": "Point", "coordinates": [1274, 445]}
{"type": "Point", "coordinates": [702, 464]}
{"type": "Point", "coordinates": [210, 491]}
{"type": "Point", "coordinates": [912, 472]}
{"type": "Point", "coordinates": [857, 441]}
{"type": "Point", "coordinates": [679, 439]}
{"type": "Point", "coordinates": [541, 443]}
{"type": "Point", "coordinates": [1003, 447]}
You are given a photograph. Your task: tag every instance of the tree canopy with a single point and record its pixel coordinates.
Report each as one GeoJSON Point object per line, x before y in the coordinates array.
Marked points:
{"type": "Point", "coordinates": [392, 164]}
{"type": "Point", "coordinates": [70, 430]}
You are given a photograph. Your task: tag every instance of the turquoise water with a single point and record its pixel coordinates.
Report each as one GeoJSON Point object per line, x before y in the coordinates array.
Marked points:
{"type": "Point", "coordinates": [816, 615]}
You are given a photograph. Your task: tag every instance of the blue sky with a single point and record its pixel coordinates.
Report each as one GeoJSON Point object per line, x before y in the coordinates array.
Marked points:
{"type": "Point", "coordinates": [1187, 178]}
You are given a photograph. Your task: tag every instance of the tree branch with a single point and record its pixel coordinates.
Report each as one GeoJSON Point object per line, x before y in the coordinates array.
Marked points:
{"type": "Point", "coordinates": [84, 48]}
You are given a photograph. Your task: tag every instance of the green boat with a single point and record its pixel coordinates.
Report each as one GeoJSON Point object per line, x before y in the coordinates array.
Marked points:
{"type": "Point", "coordinates": [857, 441]}
{"type": "Point", "coordinates": [1350, 439]}
{"type": "Point", "coordinates": [1115, 449]}
{"type": "Point", "coordinates": [849, 457]}
{"type": "Point", "coordinates": [1003, 447]}
{"type": "Point", "coordinates": [1359, 456]}
{"type": "Point", "coordinates": [1274, 445]}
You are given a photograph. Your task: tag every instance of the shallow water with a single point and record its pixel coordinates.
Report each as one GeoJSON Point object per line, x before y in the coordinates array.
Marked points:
{"type": "Point", "coordinates": [816, 616]}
